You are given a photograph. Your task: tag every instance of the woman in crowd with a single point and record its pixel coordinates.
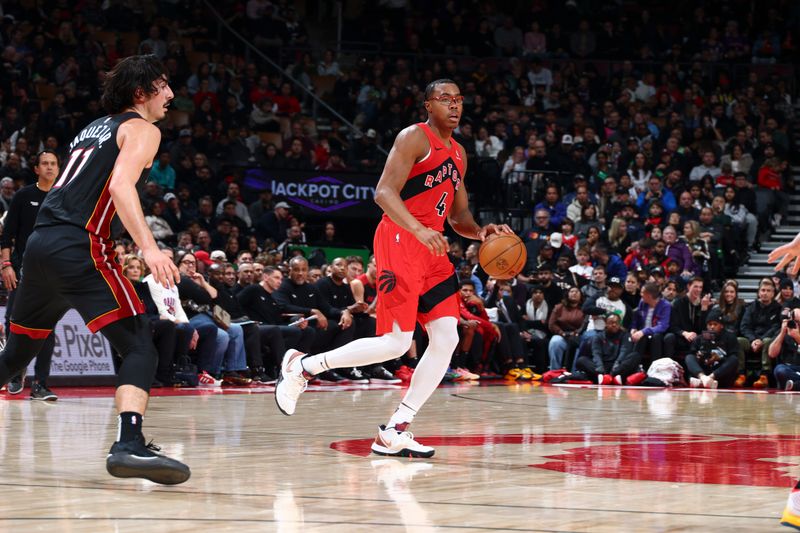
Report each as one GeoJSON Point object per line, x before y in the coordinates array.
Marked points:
{"type": "Point", "coordinates": [618, 239]}
{"type": "Point", "coordinates": [565, 324]}
{"type": "Point", "coordinates": [171, 337]}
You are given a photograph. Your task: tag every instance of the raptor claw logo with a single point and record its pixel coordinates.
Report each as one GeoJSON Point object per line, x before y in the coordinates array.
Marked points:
{"type": "Point", "coordinates": [387, 281]}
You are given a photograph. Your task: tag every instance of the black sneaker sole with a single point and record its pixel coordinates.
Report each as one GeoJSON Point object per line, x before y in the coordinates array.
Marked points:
{"type": "Point", "coordinates": [44, 398]}
{"type": "Point", "coordinates": [278, 382]}
{"type": "Point", "coordinates": [161, 470]}
{"type": "Point", "coordinates": [405, 452]}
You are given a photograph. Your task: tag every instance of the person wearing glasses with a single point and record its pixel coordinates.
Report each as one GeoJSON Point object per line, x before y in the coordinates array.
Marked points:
{"type": "Point", "coordinates": [421, 186]}
{"type": "Point", "coordinates": [17, 228]}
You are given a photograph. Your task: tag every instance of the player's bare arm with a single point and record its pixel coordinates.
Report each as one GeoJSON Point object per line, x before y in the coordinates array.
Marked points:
{"type": "Point", "coordinates": [461, 218]}
{"type": "Point", "coordinates": [138, 142]}
{"type": "Point", "coordinates": [410, 146]}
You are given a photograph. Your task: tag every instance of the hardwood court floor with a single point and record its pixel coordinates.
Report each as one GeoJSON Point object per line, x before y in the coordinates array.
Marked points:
{"type": "Point", "coordinates": [509, 458]}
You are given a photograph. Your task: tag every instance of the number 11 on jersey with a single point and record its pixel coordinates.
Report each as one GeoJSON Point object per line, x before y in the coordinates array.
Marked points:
{"type": "Point", "coordinates": [68, 174]}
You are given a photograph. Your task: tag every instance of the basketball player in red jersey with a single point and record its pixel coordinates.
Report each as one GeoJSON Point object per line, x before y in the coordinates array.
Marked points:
{"type": "Point", "coordinates": [784, 255]}
{"type": "Point", "coordinates": [422, 184]}
{"type": "Point", "coordinates": [70, 260]}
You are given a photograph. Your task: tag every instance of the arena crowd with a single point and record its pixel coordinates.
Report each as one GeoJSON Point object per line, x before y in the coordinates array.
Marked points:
{"type": "Point", "coordinates": [642, 169]}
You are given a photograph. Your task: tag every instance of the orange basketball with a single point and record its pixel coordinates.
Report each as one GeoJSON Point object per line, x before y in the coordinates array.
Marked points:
{"type": "Point", "coordinates": [502, 255]}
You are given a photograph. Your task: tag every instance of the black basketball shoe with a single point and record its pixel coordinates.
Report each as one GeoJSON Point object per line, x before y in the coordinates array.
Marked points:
{"type": "Point", "coordinates": [137, 459]}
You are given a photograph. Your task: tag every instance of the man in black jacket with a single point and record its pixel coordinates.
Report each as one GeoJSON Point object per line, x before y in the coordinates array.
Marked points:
{"type": "Point", "coordinates": [298, 296]}
{"type": "Point", "coordinates": [258, 302]}
{"type": "Point", "coordinates": [688, 318]}
{"type": "Point", "coordinates": [713, 360]}
{"type": "Point", "coordinates": [613, 359]}
{"type": "Point", "coordinates": [338, 295]}
{"type": "Point", "coordinates": [258, 338]}
{"type": "Point", "coordinates": [760, 324]}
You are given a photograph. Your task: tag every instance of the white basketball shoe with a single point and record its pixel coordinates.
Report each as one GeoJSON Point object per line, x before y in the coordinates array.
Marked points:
{"type": "Point", "coordinates": [291, 383]}
{"type": "Point", "coordinates": [397, 442]}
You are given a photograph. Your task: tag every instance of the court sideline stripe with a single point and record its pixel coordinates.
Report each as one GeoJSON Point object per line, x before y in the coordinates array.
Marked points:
{"type": "Point", "coordinates": [380, 500]}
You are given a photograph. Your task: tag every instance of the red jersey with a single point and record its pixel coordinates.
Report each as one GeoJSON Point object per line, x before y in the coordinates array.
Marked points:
{"type": "Point", "coordinates": [370, 291]}
{"type": "Point", "coordinates": [432, 183]}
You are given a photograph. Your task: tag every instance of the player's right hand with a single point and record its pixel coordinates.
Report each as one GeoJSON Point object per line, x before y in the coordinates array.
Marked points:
{"type": "Point", "coordinates": [9, 278]}
{"type": "Point", "coordinates": [785, 255]}
{"type": "Point", "coordinates": [163, 269]}
{"type": "Point", "coordinates": [433, 240]}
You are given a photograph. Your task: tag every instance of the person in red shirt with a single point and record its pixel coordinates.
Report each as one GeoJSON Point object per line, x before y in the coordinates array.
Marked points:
{"type": "Point", "coordinates": [474, 317]}
{"type": "Point", "coordinates": [286, 101]}
{"type": "Point", "coordinates": [769, 177]}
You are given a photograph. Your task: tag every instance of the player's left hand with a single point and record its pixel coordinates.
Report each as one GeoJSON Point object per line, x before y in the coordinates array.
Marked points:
{"type": "Point", "coordinates": [786, 254]}
{"type": "Point", "coordinates": [488, 229]}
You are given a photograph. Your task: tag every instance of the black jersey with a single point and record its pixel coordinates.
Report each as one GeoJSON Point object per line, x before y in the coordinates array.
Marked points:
{"type": "Point", "coordinates": [80, 195]}
{"type": "Point", "coordinates": [19, 221]}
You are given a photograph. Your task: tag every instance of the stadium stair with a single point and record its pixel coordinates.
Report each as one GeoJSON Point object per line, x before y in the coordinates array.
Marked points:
{"type": "Point", "coordinates": [750, 273]}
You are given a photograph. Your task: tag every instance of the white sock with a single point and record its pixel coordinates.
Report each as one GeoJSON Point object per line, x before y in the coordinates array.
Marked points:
{"type": "Point", "coordinates": [403, 415]}
{"type": "Point", "coordinates": [443, 337]}
{"type": "Point", "coordinates": [361, 352]}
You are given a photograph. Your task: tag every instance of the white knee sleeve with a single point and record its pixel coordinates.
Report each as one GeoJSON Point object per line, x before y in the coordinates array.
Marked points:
{"type": "Point", "coordinates": [443, 340]}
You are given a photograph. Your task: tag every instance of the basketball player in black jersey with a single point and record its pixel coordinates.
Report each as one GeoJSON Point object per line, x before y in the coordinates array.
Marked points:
{"type": "Point", "coordinates": [70, 260]}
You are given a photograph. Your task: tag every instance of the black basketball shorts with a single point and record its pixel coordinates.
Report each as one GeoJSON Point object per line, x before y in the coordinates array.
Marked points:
{"type": "Point", "coordinates": [67, 267]}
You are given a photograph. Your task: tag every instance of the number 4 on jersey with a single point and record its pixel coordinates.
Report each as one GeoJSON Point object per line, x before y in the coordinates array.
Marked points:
{"type": "Point", "coordinates": [68, 174]}
{"type": "Point", "coordinates": [441, 205]}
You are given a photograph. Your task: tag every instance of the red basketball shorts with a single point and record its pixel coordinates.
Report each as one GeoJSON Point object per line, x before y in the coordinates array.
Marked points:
{"type": "Point", "coordinates": [413, 284]}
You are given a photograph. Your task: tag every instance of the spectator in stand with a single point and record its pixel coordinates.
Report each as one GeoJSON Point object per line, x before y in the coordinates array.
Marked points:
{"type": "Point", "coordinates": [162, 172]}
{"type": "Point", "coordinates": [241, 209]}
{"type": "Point", "coordinates": [332, 326]}
{"type": "Point", "coordinates": [707, 168]}
{"type": "Point", "coordinates": [581, 201]}
{"type": "Point", "coordinates": [712, 360]}
{"type": "Point", "coordinates": [554, 206]}
{"type": "Point", "coordinates": [743, 221]}
{"type": "Point", "coordinates": [680, 252]}
{"type": "Point", "coordinates": [786, 295]}
{"type": "Point", "coordinates": [760, 324]}
{"type": "Point", "coordinates": [212, 341]}
{"type": "Point", "coordinates": [612, 358]}
{"type": "Point", "coordinates": [688, 318]}
{"type": "Point", "coordinates": [731, 309]}
{"type": "Point", "coordinates": [515, 163]}
{"type": "Point", "coordinates": [785, 351]}
{"type": "Point", "coordinates": [565, 324]}
{"type": "Point", "coordinates": [655, 193]}
{"type": "Point", "coordinates": [490, 145]}
{"type": "Point", "coordinates": [474, 321]}
{"type": "Point", "coordinates": [650, 326]}
{"type": "Point", "coordinates": [509, 320]}
{"type": "Point", "coordinates": [273, 225]}
{"type": "Point", "coordinates": [614, 265]}
{"type": "Point", "coordinates": [769, 178]}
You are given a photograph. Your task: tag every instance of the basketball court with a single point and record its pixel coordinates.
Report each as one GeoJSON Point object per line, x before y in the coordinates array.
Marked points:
{"type": "Point", "coordinates": [519, 457]}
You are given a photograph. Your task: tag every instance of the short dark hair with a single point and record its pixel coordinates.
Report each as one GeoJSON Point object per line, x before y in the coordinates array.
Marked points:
{"type": "Point", "coordinates": [467, 282]}
{"type": "Point", "coordinates": [128, 76]}
{"type": "Point", "coordinates": [432, 85]}
{"type": "Point", "coordinates": [46, 151]}
{"type": "Point", "coordinates": [652, 289]}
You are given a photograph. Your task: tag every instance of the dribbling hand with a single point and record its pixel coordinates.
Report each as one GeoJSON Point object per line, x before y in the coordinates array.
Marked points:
{"type": "Point", "coordinates": [163, 269]}
{"type": "Point", "coordinates": [488, 229]}
{"type": "Point", "coordinates": [786, 254]}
